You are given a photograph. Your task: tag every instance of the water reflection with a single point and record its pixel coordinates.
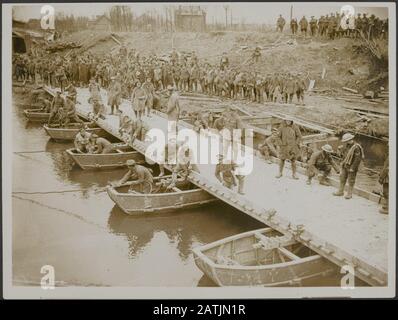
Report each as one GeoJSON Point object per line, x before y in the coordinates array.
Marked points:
{"type": "Point", "coordinates": [186, 228]}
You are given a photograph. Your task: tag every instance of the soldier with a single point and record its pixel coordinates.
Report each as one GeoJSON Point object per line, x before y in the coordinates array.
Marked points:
{"type": "Point", "coordinates": [142, 177]}
{"type": "Point", "coordinates": [138, 130]}
{"type": "Point", "coordinates": [303, 25]}
{"type": "Point", "coordinates": [173, 109]}
{"type": "Point", "coordinates": [225, 172]}
{"type": "Point", "coordinates": [352, 155]}
{"type": "Point", "coordinates": [82, 140]}
{"type": "Point", "coordinates": [174, 57]}
{"type": "Point", "coordinates": [157, 74]}
{"type": "Point", "coordinates": [365, 25]}
{"type": "Point", "coordinates": [332, 25]}
{"type": "Point", "coordinates": [323, 162]}
{"type": "Point", "coordinates": [224, 61]}
{"type": "Point", "coordinates": [114, 95]}
{"type": "Point", "coordinates": [289, 136]}
{"type": "Point", "coordinates": [58, 102]}
{"type": "Point", "coordinates": [70, 108]}
{"type": "Point", "coordinates": [185, 78]}
{"type": "Point", "coordinates": [138, 100]}
{"type": "Point", "coordinates": [149, 91]}
{"type": "Point", "coordinates": [289, 89]}
{"type": "Point", "coordinates": [384, 181]}
{"type": "Point", "coordinates": [358, 25]}
{"type": "Point", "coordinates": [321, 23]}
{"type": "Point", "coordinates": [269, 147]}
{"type": "Point", "coordinates": [256, 55]}
{"type": "Point", "coordinates": [313, 25]}
{"type": "Point", "coordinates": [219, 123]}
{"type": "Point", "coordinates": [194, 78]}
{"type": "Point", "coordinates": [300, 89]}
{"type": "Point", "coordinates": [100, 145]}
{"type": "Point", "coordinates": [280, 23]}
{"type": "Point", "coordinates": [293, 25]}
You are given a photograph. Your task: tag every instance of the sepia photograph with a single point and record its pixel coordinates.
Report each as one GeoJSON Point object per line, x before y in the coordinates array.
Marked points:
{"type": "Point", "coordinates": [199, 150]}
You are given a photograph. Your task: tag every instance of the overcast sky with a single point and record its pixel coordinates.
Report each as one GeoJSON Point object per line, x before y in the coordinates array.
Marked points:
{"type": "Point", "coordinates": [247, 12]}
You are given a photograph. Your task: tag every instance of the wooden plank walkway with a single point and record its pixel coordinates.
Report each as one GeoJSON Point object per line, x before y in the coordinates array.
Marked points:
{"type": "Point", "coordinates": [347, 232]}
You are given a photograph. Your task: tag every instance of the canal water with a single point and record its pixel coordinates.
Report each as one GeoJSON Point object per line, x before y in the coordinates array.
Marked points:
{"type": "Point", "coordinates": [62, 217]}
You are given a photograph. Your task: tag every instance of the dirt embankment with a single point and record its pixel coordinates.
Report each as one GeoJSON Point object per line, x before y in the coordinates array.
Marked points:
{"type": "Point", "coordinates": [331, 63]}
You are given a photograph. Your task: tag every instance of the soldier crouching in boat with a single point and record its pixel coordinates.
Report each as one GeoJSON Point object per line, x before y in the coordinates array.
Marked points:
{"type": "Point", "coordinates": [352, 155]}
{"type": "Point", "coordinates": [100, 145]}
{"type": "Point", "coordinates": [323, 162]}
{"type": "Point", "coordinates": [143, 179]}
{"type": "Point", "coordinates": [82, 140]}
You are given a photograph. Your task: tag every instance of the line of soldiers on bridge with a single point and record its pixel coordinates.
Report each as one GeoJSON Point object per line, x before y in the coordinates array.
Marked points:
{"type": "Point", "coordinates": [337, 25]}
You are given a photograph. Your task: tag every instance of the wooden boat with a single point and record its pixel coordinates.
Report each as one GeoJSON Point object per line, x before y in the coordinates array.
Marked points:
{"type": "Point", "coordinates": [262, 257]}
{"type": "Point", "coordinates": [117, 158]}
{"type": "Point", "coordinates": [183, 196]}
{"type": "Point", "coordinates": [36, 115]}
{"type": "Point", "coordinates": [69, 132]}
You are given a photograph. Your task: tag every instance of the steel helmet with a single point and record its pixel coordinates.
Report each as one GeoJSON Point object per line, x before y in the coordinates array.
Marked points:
{"type": "Point", "coordinates": [347, 137]}
{"type": "Point", "coordinates": [327, 148]}
{"type": "Point", "coordinates": [130, 162]}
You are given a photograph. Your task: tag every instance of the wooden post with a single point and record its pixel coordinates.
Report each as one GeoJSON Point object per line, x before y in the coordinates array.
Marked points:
{"type": "Point", "coordinates": [291, 12]}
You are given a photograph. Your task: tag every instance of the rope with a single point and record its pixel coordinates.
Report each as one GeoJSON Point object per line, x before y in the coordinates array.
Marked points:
{"type": "Point", "coordinates": [72, 214]}
{"type": "Point", "coordinates": [35, 151]}
{"type": "Point", "coordinates": [55, 192]}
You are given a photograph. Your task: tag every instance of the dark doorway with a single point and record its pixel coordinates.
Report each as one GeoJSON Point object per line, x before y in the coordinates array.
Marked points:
{"type": "Point", "coordinates": [18, 45]}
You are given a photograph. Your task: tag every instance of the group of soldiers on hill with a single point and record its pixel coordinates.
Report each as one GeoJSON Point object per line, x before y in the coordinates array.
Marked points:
{"type": "Point", "coordinates": [185, 72]}
{"type": "Point", "coordinates": [336, 25]}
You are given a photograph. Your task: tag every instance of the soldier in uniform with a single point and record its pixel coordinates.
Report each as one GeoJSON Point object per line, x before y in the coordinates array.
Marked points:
{"type": "Point", "coordinates": [303, 25]}
{"type": "Point", "coordinates": [142, 177]}
{"type": "Point", "coordinates": [173, 109]}
{"type": "Point", "coordinates": [138, 100]}
{"type": "Point", "coordinates": [82, 140]}
{"type": "Point", "coordinates": [323, 162]}
{"type": "Point", "coordinates": [58, 102]}
{"type": "Point", "coordinates": [70, 108]}
{"type": "Point", "coordinates": [224, 61]}
{"type": "Point", "coordinates": [269, 147]}
{"type": "Point", "coordinates": [300, 88]}
{"type": "Point", "coordinates": [280, 23]}
{"type": "Point", "coordinates": [293, 25]}
{"type": "Point", "coordinates": [149, 91]}
{"type": "Point", "coordinates": [114, 95]}
{"type": "Point", "coordinates": [225, 172]}
{"type": "Point", "coordinates": [100, 145]}
{"type": "Point", "coordinates": [313, 25]}
{"type": "Point", "coordinates": [289, 136]}
{"type": "Point", "coordinates": [352, 155]}
{"type": "Point", "coordinates": [358, 23]}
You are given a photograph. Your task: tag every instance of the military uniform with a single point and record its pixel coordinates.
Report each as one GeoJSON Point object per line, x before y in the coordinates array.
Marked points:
{"type": "Point", "coordinates": [303, 25]}
{"type": "Point", "coordinates": [289, 136]}
{"type": "Point", "coordinates": [352, 155]}
{"type": "Point", "coordinates": [321, 161]}
{"type": "Point", "coordinates": [224, 174]}
{"type": "Point", "coordinates": [313, 25]}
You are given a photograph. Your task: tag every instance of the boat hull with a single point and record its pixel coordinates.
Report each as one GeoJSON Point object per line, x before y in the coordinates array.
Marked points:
{"type": "Point", "coordinates": [140, 204]}
{"type": "Point", "coordinates": [69, 134]}
{"type": "Point", "coordinates": [283, 273]}
{"type": "Point", "coordinates": [104, 161]}
{"type": "Point", "coordinates": [36, 116]}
